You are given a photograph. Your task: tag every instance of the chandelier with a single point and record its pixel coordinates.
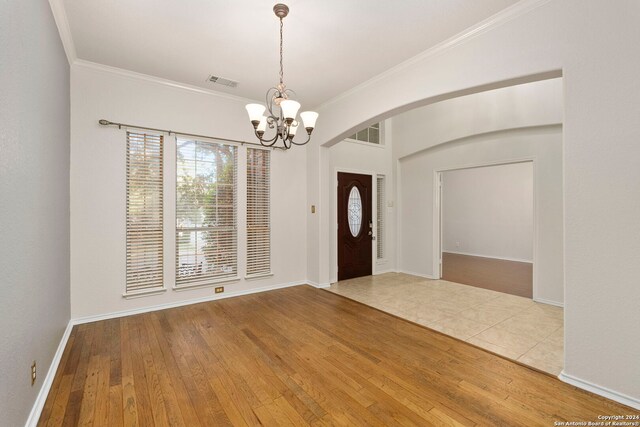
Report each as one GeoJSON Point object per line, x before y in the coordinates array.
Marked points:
{"type": "Point", "coordinates": [282, 111]}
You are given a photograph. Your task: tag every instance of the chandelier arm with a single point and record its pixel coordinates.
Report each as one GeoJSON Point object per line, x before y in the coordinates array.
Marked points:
{"type": "Point", "coordinates": [269, 99]}
{"type": "Point", "coordinates": [302, 143]}
{"type": "Point", "coordinates": [275, 93]}
{"type": "Point", "coordinates": [267, 143]}
{"type": "Point", "coordinates": [271, 120]}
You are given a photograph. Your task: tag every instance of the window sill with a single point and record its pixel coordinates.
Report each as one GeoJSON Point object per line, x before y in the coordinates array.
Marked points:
{"type": "Point", "coordinates": [207, 284]}
{"type": "Point", "coordinates": [258, 276]}
{"type": "Point", "coordinates": [145, 293]}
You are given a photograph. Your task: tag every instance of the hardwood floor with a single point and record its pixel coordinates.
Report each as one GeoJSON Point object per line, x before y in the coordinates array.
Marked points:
{"type": "Point", "coordinates": [511, 277]}
{"type": "Point", "coordinates": [296, 356]}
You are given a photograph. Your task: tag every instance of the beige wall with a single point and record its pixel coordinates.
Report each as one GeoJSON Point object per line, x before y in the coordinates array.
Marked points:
{"type": "Point", "coordinates": [34, 206]}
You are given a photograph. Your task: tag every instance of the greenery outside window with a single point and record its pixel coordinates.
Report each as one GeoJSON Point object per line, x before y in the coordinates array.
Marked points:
{"type": "Point", "coordinates": [206, 220]}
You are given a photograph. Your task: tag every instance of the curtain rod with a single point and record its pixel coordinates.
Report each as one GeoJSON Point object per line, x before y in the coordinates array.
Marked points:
{"type": "Point", "coordinates": [104, 122]}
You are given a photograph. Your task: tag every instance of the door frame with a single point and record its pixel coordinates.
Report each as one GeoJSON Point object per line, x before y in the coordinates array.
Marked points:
{"type": "Point", "coordinates": [334, 217]}
{"type": "Point", "coordinates": [437, 213]}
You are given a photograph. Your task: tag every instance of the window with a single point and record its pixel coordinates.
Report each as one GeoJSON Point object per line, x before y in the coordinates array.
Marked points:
{"type": "Point", "coordinates": [354, 211]}
{"type": "Point", "coordinates": [370, 134]}
{"type": "Point", "coordinates": [206, 233]}
{"type": "Point", "coordinates": [258, 212]}
{"type": "Point", "coordinates": [381, 216]}
{"type": "Point", "coordinates": [144, 264]}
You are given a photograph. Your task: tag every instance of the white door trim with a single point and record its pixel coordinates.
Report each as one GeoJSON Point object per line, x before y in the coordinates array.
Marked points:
{"type": "Point", "coordinates": [437, 210]}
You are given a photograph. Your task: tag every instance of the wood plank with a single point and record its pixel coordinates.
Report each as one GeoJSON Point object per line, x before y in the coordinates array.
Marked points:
{"type": "Point", "coordinates": [129, 401]}
{"type": "Point", "coordinates": [55, 402]}
{"type": "Point", "coordinates": [140, 381]}
{"type": "Point", "coordinates": [77, 367]}
{"type": "Point", "coordinates": [511, 277]}
{"type": "Point", "coordinates": [296, 356]}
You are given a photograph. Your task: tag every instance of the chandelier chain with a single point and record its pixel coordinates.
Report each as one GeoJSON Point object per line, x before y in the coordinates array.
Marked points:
{"type": "Point", "coordinates": [281, 67]}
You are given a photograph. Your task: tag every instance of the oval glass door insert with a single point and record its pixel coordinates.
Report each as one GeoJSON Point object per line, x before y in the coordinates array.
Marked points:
{"type": "Point", "coordinates": [354, 211]}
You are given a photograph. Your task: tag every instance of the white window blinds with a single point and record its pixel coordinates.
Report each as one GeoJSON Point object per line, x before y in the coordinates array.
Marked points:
{"type": "Point", "coordinates": [258, 212]}
{"type": "Point", "coordinates": [144, 213]}
{"type": "Point", "coordinates": [381, 216]}
{"type": "Point", "coordinates": [206, 228]}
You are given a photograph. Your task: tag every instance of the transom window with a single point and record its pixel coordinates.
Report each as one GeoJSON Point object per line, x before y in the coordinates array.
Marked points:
{"type": "Point", "coordinates": [370, 134]}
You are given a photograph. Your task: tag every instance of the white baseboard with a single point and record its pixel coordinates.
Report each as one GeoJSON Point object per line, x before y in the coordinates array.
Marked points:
{"type": "Point", "coordinates": [599, 390]}
{"type": "Point", "coordinates": [413, 273]}
{"type": "Point", "coordinates": [38, 405]}
{"type": "Point", "coordinates": [115, 314]}
{"type": "Point", "coordinates": [319, 285]}
{"type": "Point", "coordinates": [549, 302]}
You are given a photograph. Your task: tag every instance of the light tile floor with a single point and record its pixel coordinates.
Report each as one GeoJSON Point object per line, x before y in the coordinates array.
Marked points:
{"type": "Point", "coordinates": [512, 326]}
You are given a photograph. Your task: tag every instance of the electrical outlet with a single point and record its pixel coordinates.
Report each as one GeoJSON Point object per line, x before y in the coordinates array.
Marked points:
{"type": "Point", "coordinates": [219, 289]}
{"type": "Point", "coordinates": [33, 373]}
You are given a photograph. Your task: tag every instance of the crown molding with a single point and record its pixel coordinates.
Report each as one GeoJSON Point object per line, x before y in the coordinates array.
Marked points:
{"type": "Point", "coordinates": [506, 15]}
{"type": "Point", "coordinates": [60, 16]}
{"type": "Point", "coordinates": [81, 63]}
{"type": "Point", "coordinates": [521, 8]}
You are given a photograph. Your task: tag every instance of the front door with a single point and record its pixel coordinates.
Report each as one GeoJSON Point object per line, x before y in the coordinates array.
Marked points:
{"type": "Point", "coordinates": [355, 226]}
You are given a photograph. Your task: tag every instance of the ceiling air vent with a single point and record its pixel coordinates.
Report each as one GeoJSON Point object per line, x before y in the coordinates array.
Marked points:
{"type": "Point", "coordinates": [222, 81]}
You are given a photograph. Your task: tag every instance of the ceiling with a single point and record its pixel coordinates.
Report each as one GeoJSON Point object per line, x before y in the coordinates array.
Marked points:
{"type": "Point", "coordinates": [330, 46]}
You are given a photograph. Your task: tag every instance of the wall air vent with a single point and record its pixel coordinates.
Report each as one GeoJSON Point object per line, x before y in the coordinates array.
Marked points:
{"type": "Point", "coordinates": [222, 81]}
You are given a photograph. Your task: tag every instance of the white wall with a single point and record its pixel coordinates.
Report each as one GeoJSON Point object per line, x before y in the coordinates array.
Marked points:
{"type": "Point", "coordinates": [34, 207]}
{"type": "Point", "coordinates": [592, 44]}
{"type": "Point", "coordinates": [362, 157]}
{"type": "Point", "coordinates": [98, 187]}
{"type": "Point", "coordinates": [488, 211]}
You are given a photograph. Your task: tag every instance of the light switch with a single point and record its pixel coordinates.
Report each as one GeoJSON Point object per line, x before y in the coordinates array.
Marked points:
{"type": "Point", "coordinates": [313, 208]}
